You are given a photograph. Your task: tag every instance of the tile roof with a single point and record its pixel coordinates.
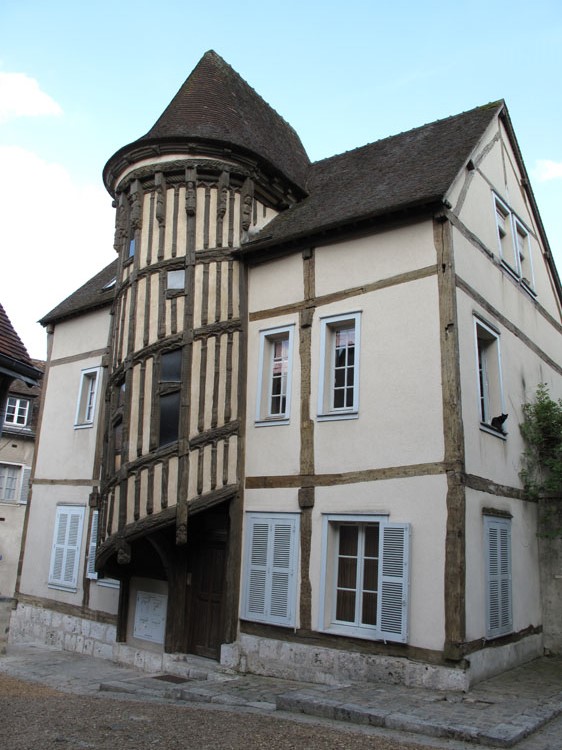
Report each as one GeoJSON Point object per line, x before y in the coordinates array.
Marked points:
{"type": "Point", "coordinates": [411, 169]}
{"type": "Point", "coordinates": [11, 345]}
{"type": "Point", "coordinates": [216, 104]}
{"type": "Point", "coordinates": [90, 296]}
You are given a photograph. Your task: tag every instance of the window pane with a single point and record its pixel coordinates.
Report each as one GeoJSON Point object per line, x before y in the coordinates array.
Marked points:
{"type": "Point", "coordinates": [170, 367]}
{"type": "Point", "coordinates": [348, 540]}
{"type": "Point", "coordinates": [370, 574]}
{"type": "Point", "coordinates": [347, 572]}
{"type": "Point", "coordinates": [372, 540]}
{"type": "Point", "coordinates": [176, 279]}
{"type": "Point", "coordinates": [369, 614]}
{"type": "Point", "coordinates": [169, 418]}
{"type": "Point", "coordinates": [345, 606]}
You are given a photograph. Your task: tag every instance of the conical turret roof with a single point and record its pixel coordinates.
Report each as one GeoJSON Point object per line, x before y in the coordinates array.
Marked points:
{"type": "Point", "coordinates": [216, 104]}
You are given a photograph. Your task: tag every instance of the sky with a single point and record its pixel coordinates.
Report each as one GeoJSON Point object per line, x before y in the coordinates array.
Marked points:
{"type": "Point", "coordinates": [79, 80]}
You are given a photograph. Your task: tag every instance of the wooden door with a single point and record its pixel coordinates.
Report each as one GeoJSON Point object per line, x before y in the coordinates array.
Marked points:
{"type": "Point", "coordinates": [208, 572]}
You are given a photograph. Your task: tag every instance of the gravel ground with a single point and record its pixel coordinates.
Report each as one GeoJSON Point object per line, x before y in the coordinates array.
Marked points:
{"type": "Point", "coordinates": [34, 716]}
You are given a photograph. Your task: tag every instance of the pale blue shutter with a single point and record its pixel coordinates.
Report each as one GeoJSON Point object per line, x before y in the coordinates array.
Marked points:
{"type": "Point", "coordinates": [394, 582]}
{"type": "Point", "coordinates": [65, 556]}
{"type": "Point", "coordinates": [498, 573]}
{"type": "Point", "coordinates": [91, 564]}
{"type": "Point", "coordinates": [271, 567]}
{"type": "Point", "coordinates": [26, 473]}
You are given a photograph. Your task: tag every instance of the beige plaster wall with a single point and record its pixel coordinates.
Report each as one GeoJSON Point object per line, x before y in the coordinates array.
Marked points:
{"type": "Point", "coordinates": [84, 334]}
{"type": "Point", "coordinates": [12, 516]}
{"type": "Point", "coordinates": [370, 259]}
{"type": "Point", "coordinates": [39, 540]}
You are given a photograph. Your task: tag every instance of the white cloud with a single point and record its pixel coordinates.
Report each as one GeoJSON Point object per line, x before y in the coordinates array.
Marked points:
{"type": "Point", "coordinates": [546, 170]}
{"type": "Point", "coordinates": [55, 234]}
{"type": "Point", "coordinates": [21, 96]}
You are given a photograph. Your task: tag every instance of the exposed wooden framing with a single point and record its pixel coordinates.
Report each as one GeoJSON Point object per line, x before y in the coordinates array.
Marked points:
{"type": "Point", "coordinates": [136, 511]}
{"type": "Point", "coordinates": [161, 304]}
{"type": "Point", "coordinates": [218, 295]}
{"type": "Point", "coordinates": [164, 485]}
{"type": "Point", "coordinates": [174, 248]}
{"type": "Point", "coordinates": [508, 325]}
{"type": "Point", "coordinates": [150, 238]}
{"type": "Point", "coordinates": [307, 469]}
{"type": "Point", "coordinates": [228, 378]}
{"type": "Point", "coordinates": [455, 551]}
{"type": "Point", "coordinates": [328, 299]}
{"type": "Point", "coordinates": [230, 297]}
{"type": "Point", "coordinates": [150, 490]}
{"type": "Point", "coordinates": [216, 384]}
{"type": "Point", "coordinates": [140, 401]}
{"type": "Point", "coordinates": [202, 384]}
{"type": "Point", "coordinates": [205, 296]}
{"type": "Point", "coordinates": [350, 477]}
{"type": "Point", "coordinates": [77, 357]}
{"type": "Point", "coordinates": [206, 217]}
{"type": "Point", "coordinates": [147, 303]}
{"type": "Point", "coordinates": [231, 204]}
{"type": "Point", "coordinates": [133, 295]}
{"type": "Point", "coordinates": [64, 608]}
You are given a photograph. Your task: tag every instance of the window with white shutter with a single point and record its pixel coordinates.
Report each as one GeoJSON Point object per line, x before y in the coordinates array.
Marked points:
{"type": "Point", "coordinates": [499, 618]}
{"type": "Point", "coordinates": [270, 581]}
{"type": "Point", "coordinates": [65, 555]}
{"type": "Point", "coordinates": [364, 586]}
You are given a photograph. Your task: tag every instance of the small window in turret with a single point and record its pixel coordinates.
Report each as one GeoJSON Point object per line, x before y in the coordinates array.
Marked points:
{"type": "Point", "coordinates": [175, 281]}
{"type": "Point", "coordinates": [170, 367]}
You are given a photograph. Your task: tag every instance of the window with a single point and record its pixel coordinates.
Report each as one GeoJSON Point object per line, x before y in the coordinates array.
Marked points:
{"type": "Point", "coordinates": [338, 392]}
{"type": "Point", "coordinates": [271, 559]}
{"type": "Point", "coordinates": [499, 619]}
{"type": "Point", "coordinates": [514, 243]}
{"type": "Point", "coordinates": [65, 555]}
{"type": "Point", "coordinates": [17, 411]}
{"type": "Point", "coordinates": [523, 244]}
{"type": "Point", "coordinates": [86, 409]}
{"type": "Point", "coordinates": [365, 577]}
{"type": "Point", "coordinates": [14, 483]}
{"type": "Point", "coordinates": [273, 404]}
{"type": "Point", "coordinates": [169, 396]}
{"type": "Point", "coordinates": [175, 280]}
{"type": "Point", "coordinates": [490, 396]}
{"type": "Point", "coordinates": [91, 564]}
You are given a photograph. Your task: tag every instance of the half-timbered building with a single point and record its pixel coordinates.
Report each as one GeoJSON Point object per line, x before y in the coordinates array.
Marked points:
{"type": "Point", "coordinates": [305, 385]}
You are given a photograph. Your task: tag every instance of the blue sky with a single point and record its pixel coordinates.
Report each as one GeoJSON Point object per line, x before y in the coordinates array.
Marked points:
{"type": "Point", "coordinates": [80, 80]}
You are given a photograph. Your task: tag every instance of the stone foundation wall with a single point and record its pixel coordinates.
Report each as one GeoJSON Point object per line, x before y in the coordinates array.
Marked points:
{"type": "Point", "coordinates": [7, 605]}
{"type": "Point", "coordinates": [295, 661]}
{"type": "Point", "coordinates": [31, 624]}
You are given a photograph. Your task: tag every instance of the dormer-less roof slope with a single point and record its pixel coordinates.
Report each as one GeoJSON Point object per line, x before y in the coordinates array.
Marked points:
{"type": "Point", "coordinates": [14, 359]}
{"type": "Point", "coordinates": [95, 293]}
{"type": "Point", "coordinates": [385, 178]}
{"type": "Point", "coordinates": [216, 104]}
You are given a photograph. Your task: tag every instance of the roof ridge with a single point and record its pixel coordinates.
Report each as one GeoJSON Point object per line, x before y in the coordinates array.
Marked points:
{"type": "Point", "coordinates": [490, 105]}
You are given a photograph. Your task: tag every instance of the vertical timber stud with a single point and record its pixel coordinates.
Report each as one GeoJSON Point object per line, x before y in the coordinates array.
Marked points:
{"type": "Point", "coordinates": [455, 551]}
{"type": "Point", "coordinates": [306, 492]}
{"type": "Point", "coordinates": [185, 407]}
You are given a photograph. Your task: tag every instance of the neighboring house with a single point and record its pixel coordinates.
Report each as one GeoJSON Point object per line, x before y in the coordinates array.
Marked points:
{"type": "Point", "coordinates": [17, 448]}
{"type": "Point", "coordinates": [19, 389]}
{"type": "Point", "coordinates": [308, 458]}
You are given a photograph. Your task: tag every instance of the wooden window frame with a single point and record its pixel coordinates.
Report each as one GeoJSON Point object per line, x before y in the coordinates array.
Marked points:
{"type": "Point", "coordinates": [392, 582]}
{"type": "Point", "coordinates": [489, 375]}
{"type": "Point", "coordinates": [87, 398]}
{"type": "Point", "coordinates": [13, 410]}
{"type": "Point", "coordinates": [329, 328]}
{"type": "Point", "coordinates": [264, 391]}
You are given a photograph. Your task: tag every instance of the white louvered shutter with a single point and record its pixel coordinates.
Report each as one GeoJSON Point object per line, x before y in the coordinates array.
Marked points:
{"type": "Point", "coordinates": [26, 474]}
{"type": "Point", "coordinates": [91, 565]}
{"type": "Point", "coordinates": [65, 556]}
{"type": "Point", "coordinates": [271, 570]}
{"type": "Point", "coordinates": [498, 565]}
{"type": "Point", "coordinates": [394, 582]}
